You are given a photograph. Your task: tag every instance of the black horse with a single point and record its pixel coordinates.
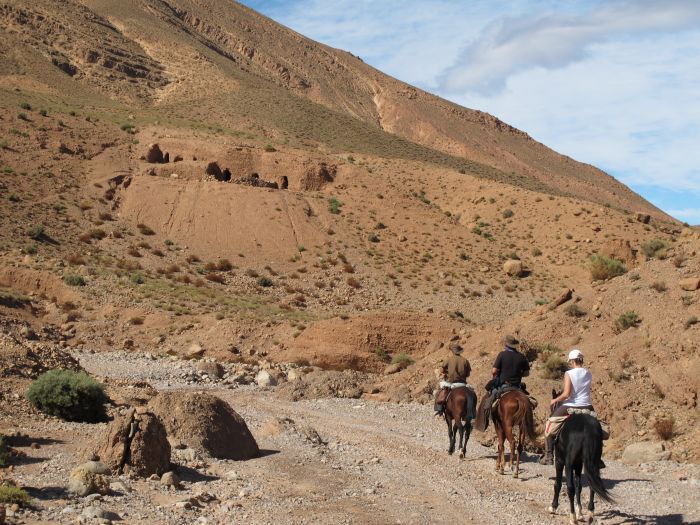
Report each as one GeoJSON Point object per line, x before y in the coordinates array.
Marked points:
{"type": "Point", "coordinates": [579, 446]}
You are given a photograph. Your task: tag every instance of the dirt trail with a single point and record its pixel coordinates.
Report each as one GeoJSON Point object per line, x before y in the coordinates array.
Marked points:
{"type": "Point", "coordinates": [386, 463]}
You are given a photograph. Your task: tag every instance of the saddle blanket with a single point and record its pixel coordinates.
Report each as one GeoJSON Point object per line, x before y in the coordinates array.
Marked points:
{"type": "Point", "coordinates": [555, 423]}
{"type": "Point", "coordinates": [452, 386]}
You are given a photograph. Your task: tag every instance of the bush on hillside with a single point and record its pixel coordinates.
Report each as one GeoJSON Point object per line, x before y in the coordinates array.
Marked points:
{"type": "Point", "coordinates": [627, 320]}
{"type": "Point", "coordinates": [604, 268]}
{"type": "Point", "coordinates": [73, 396]}
{"type": "Point", "coordinates": [664, 428]}
{"type": "Point", "coordinates": [655, 248]}
{"type": "Point", "coordinates": [402, 359]}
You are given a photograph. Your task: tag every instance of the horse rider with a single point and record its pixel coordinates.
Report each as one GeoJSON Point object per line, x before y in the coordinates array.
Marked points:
{"type": "Point", "coordinates": [508, 371]}
{"type": "Point", "coordinates": [455, 370]}
{"type": "Point", "coordinates": [576, 394]}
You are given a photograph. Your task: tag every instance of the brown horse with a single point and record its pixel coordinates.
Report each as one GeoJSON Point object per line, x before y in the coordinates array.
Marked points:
{"type": "Point", "coordinates": [514, 408]}
{"type": "Point", "coordinates": [458, 418]}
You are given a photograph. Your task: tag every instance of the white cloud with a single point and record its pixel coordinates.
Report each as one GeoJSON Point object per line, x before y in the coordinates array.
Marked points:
{"type": "Point", "coordinates": [554, 40]}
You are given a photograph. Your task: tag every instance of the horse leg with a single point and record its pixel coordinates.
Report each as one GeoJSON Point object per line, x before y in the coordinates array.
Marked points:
{"type": "Point", "coordinates": [559, 470]}
{"type": "Point", "coordinates": [577, 482]}
{"type": "Point", "coordinates": [591, 505]}
{"type": "Point", "coordinates": [467, 432]}
{"type": "Point", "coordinates": [521, 441]}
{"type": "Point", "coordinates": [461, 438]}
{"type": "Point", "coordinates": [450, 433]}
{"type": "Point", "coordinates": [571, 492]}
{"type": "Point", "coordinates": [511, 444]}
{"type": "Point", "coordinates": [500, 461]}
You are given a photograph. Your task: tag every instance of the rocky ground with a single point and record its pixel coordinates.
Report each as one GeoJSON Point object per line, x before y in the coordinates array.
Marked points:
{"type": "Point", "coordinates": [323, 460]}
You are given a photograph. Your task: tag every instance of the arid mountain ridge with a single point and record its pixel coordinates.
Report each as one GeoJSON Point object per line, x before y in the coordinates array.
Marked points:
{"type": "Point", "coordinates": [185, 54]}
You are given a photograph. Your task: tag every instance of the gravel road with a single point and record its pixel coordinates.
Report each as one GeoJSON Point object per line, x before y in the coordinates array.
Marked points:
{"type": "Point", "coordinates": [342, 461]}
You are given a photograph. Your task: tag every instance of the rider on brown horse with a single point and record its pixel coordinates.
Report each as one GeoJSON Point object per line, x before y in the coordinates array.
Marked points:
{"type": "Point", "coordinates": [508, 371]}
{"type": "Point", "coordinates": [455, 370]}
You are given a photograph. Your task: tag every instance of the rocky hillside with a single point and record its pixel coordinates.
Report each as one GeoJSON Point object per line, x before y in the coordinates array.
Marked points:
{"type": "Point", "coordinates": [228, 66]}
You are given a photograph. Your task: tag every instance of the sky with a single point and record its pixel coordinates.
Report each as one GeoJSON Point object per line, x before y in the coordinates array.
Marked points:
{"type": "Point", "coordinates": [612, 83]}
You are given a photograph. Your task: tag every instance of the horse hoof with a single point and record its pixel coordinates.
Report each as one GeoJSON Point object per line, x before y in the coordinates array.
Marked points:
{"type": "Point", "coordinates": [572, 519]}
{"type": "Point", "coordinates": [515, 474]}
{"type": "Point", "coordinates": [552, 510]}
{"type": "Point", "coordinates": [591, 517]}
{"type": "Point", "coordinates": [461, 455]}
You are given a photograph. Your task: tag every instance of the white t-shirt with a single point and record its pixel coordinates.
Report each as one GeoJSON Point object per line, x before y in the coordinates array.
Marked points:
{"type": "Point", "coordinates": [581, 379]}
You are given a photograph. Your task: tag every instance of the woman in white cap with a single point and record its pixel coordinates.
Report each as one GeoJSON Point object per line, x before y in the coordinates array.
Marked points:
{"type": "Point", "coordinates": [576, 394]}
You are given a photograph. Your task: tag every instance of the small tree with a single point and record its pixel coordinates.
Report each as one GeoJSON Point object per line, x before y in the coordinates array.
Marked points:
{"type": "Point", "coordinates": [604, 268]}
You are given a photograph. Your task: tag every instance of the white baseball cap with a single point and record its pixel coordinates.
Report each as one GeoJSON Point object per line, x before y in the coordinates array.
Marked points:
{"type": "Point", "coordinates": [575, 354]}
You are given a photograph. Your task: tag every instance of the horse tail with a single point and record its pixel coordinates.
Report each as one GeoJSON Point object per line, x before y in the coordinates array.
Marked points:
{"type": "Point", "coordinates": [592, 452]}
{"type": "Point", "coordinates": [530, 422]}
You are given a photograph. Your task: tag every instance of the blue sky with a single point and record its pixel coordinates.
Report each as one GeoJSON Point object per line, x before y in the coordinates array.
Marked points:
{"type": "Point", "coordinates": [613, 83]}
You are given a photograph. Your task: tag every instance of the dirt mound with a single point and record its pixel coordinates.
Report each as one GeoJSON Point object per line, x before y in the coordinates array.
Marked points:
{"type": "Point", "coordinates": [136, 444]}
{"type": "Point", "coordinates": [369, 342]}
{"type": "Point", "coordinates": [327, 383]}
{"type": "Point", "coordinates": [205, 423]}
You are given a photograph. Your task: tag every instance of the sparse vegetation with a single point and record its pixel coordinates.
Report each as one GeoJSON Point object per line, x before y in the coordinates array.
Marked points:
{"type": "Point", "coordinates": [659, 286]}
{"type": "Point", "coordinates": [627, 320]}
{"type": "Point", "coordinates": [403, 359]}
{"type": "Point", "coordinates": [604, 268]}
{"type": "Point", "coordinates": [655, 248]}
{"type": "Point", "coordinates": [265, 282]}
{"type": "Point", "coordinates": [507, 214]}
{"type": "Point", "coordinates": [73, 279]}
{"type": "Point", "coordinates": [382, 354]}
{"type": "Point", "coordinates": [691, 321]}
{"type": "Point", "coordinates": [36, 232]}
{"type": "Point", "coordinates": [664, 427]}
{"type": "Point", "coordinates": [73, 396]}
{"type": "Point", "coordinates": [334, 205]}
{"type": "Point", "coordinates": [11, 495]}
{"type": "Point", "coordinates": [4, 452]}
{"type": "Point", "coordinates": [145, 230]}
{"type": "Point", "coordinates": [574, 310]}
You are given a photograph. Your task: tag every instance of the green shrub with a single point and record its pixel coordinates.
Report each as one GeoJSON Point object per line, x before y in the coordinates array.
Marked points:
{"type": "Point", "coordinates": [553, 367]}
{"type": "Point", "coordinates": [22, 116]}
{"type": "Point", "coordinates": [334, 205]}
{"type": "Point", "coordinates": [265, 282]}
{"type": "Point", "coordinates": [574, 310]}
{"type": "Point", "coordinates": [373, 237]}
{"type": "Point", "coordinates": [73, 396]}
{"type": "Point", "coordinates": [25, 105]}
{"type": "Point", "coordinates": [270, 148]}
{"type": "Point", "coordinates": [73, 279]}
{"type": "Point", "coordinates": [11, 495]}
{"type": "Point", "coordinates": [382, 354]}
{"type": "Point", "coordinates": [604, 268]}
{"type": "Point", "coordinates": [627, 320]}
{"type": "Point", "coordinates": [36, 232]}
{"type": "Point", "coordinates": [43, 112]}
{"type": "Point", "coordinates": [507, 214]}
{"type": "Point", "coordinates": [691, 321]}
{"type": "Point", "coordinates": [137, 278]}
{"type": "Point", "coordinates": [655, 248]}
{"type": "Point", "coordinates": [402, 359]}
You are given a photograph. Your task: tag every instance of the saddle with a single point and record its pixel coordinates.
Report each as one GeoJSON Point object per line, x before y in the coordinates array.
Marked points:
{"type": "Point", "coordinates": [556, 423]}
{"type": "Point", "coordinates": [510, 388]}
{"type": "Point", "coordinates": [454, 386]}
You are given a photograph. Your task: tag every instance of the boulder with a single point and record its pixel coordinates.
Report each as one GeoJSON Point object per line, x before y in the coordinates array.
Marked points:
{"type": "Point", "coordinates": [170, 479]}
{"type": "Point", "coordinates": [211, 368]}
{"type": "Point", "coordinates": [644, 218]}
{"type": "Point", "coordinates": [620, 250]}
{"type": "Point", "coordinates": [563, 297]}
{"type": "Point", "coordinates": [91, 477]}
{"type": "Point", "coordinates": [265, 379]}
{"type": "Point", "coordinates": [513, 267]}
{"type": "Point", "coordinates": [195, 351]}
{"type": "Point", "coordinates": [154, 155]}
{"type": "Point", "coordinates": [645, 452]}
{"type": "Point", "coordinates": [691, 284]}
{"type": "Point", "coordinates": [205, 423]}
{"type": "Point", "coordinates": [136, 443]}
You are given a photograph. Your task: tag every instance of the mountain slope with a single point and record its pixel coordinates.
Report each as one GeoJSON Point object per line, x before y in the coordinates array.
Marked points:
{"type": "Point", "coordinates": [230, 65]}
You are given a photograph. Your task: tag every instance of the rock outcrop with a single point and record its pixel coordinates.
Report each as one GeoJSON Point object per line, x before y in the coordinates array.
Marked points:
{"type": "Point", "coordinates": [136, 443]}
{"type": "Point", "coordinates": [205, 423]}
{"type": "Point", "coordinates": [154, 155]}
